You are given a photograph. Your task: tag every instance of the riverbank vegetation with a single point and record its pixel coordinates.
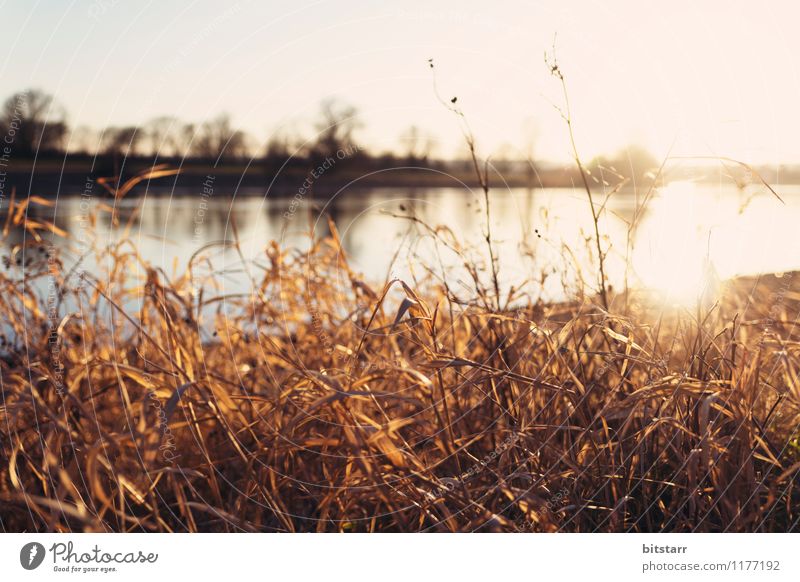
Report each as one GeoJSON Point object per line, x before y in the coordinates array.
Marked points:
{"type": "Point", "coordinates": [321, 402]}
{"type": "Point", "coordinates": [135, 399]}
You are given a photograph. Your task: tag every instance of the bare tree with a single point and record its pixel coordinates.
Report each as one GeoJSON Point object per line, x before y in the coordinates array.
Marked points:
{"type": "Point", "coordinates": [417, 146]}
{"type": "Point", "coordinates": [428, 147]}
{"type": "Point", "coordinates": [83, 140]}
{"type": "Point", "coordinates": [411, 140]}
{"type": "Point", "coordinates": [162, 136]}
{"type": "Point", "coordinates": [631, 163]}
{"type": "Point", "coordinates": [34, 122]}
{"type": "Point", "coordinates": [218, 139]}
{"type": "Point", "coordinates": [185, 136]}
{"type": "Point", "coordinates": [335, 128]}
{"type": "Point", "coordinates": [122, 141]}
{"type": "Point", "coordinates": [280, 146]}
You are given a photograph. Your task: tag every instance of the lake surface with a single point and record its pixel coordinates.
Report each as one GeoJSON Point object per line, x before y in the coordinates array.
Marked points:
{"type": "Point", "coordinates": [686, 233]}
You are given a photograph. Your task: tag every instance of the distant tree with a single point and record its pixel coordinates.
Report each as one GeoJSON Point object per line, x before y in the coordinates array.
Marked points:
{"type": "Point", "coordinates": [218, 139]}
{"type": "Point", "coordinates": [122, 142]}
{"type": "Point", "coordinates": [530, 135]}
{"type": "Point", "coordinates": [410, 143]}
{"type": "Point", "coordinates": [631, 162]}
{"type": "Point", "coordinates": [530, 132]}
{"type": "Point", "coordinates": [162, 135]}
{"type": "Point", "coordinates": [281, 146]}
{"type": "Point", "coordinates": [505, 152]}
{"type": "Point", "coordinates": [417, 147]}
{"type": "Point", "coordinates": [386, 159]}
{"type": "Point", "coordinates": [36, 123]}
{"type": "Point", "coordinates": [83, 140]}
{"type": "Point", "coordinates": [335, 127]}
{"type": "Point", "coordinates": [185, 136]}
{"type": "Point", "coordinates": [250, 145]}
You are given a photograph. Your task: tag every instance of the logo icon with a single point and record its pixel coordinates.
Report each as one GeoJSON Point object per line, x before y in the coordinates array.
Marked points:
{"type": "Point", "coordinates": [31, 555]}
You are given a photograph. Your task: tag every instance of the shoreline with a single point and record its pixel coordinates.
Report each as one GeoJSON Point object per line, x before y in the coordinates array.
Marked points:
{"type": "Point", "coordinates": [49, 178]}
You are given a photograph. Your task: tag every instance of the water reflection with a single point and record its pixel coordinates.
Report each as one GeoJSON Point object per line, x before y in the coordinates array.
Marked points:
{"type": "Point", "coordinates": [695, 235]}
{"type": "Point", "coordinates": [687, 233]}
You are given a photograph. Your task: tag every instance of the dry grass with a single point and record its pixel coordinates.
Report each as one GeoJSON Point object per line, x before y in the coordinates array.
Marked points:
{"type": "Point", "coordinates": [318, 404]}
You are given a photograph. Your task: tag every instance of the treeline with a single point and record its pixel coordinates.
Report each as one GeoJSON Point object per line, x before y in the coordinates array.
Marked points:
{"type": "Point", "coordinates": [35, 125]}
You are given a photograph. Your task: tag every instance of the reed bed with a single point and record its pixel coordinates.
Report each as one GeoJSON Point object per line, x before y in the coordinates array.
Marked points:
{"type": "Point", "coordinates": [321, 402]}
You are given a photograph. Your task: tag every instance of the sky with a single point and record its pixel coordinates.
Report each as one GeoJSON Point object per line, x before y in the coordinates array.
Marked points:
{"type": "Point", "coordinates": [710, 78]}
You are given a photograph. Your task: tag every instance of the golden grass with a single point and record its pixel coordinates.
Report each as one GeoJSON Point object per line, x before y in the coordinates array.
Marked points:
{"type": "Point", "coordinates": [317, 404]}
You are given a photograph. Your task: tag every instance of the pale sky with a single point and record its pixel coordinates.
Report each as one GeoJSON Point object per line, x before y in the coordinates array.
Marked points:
{"type": "Point", "coordinates": [715, 78]}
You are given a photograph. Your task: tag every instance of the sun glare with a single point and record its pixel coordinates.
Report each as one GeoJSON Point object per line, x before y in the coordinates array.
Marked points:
{"type": "Point", "coordinates": [672, 254]}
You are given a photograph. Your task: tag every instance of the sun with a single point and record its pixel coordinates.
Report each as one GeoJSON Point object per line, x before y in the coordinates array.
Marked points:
{"type": "Point", "coordinates": [672, 248]}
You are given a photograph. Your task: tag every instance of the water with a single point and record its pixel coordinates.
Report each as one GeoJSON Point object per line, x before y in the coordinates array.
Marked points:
{"type": "Point", "coordinates": [687, 233]}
